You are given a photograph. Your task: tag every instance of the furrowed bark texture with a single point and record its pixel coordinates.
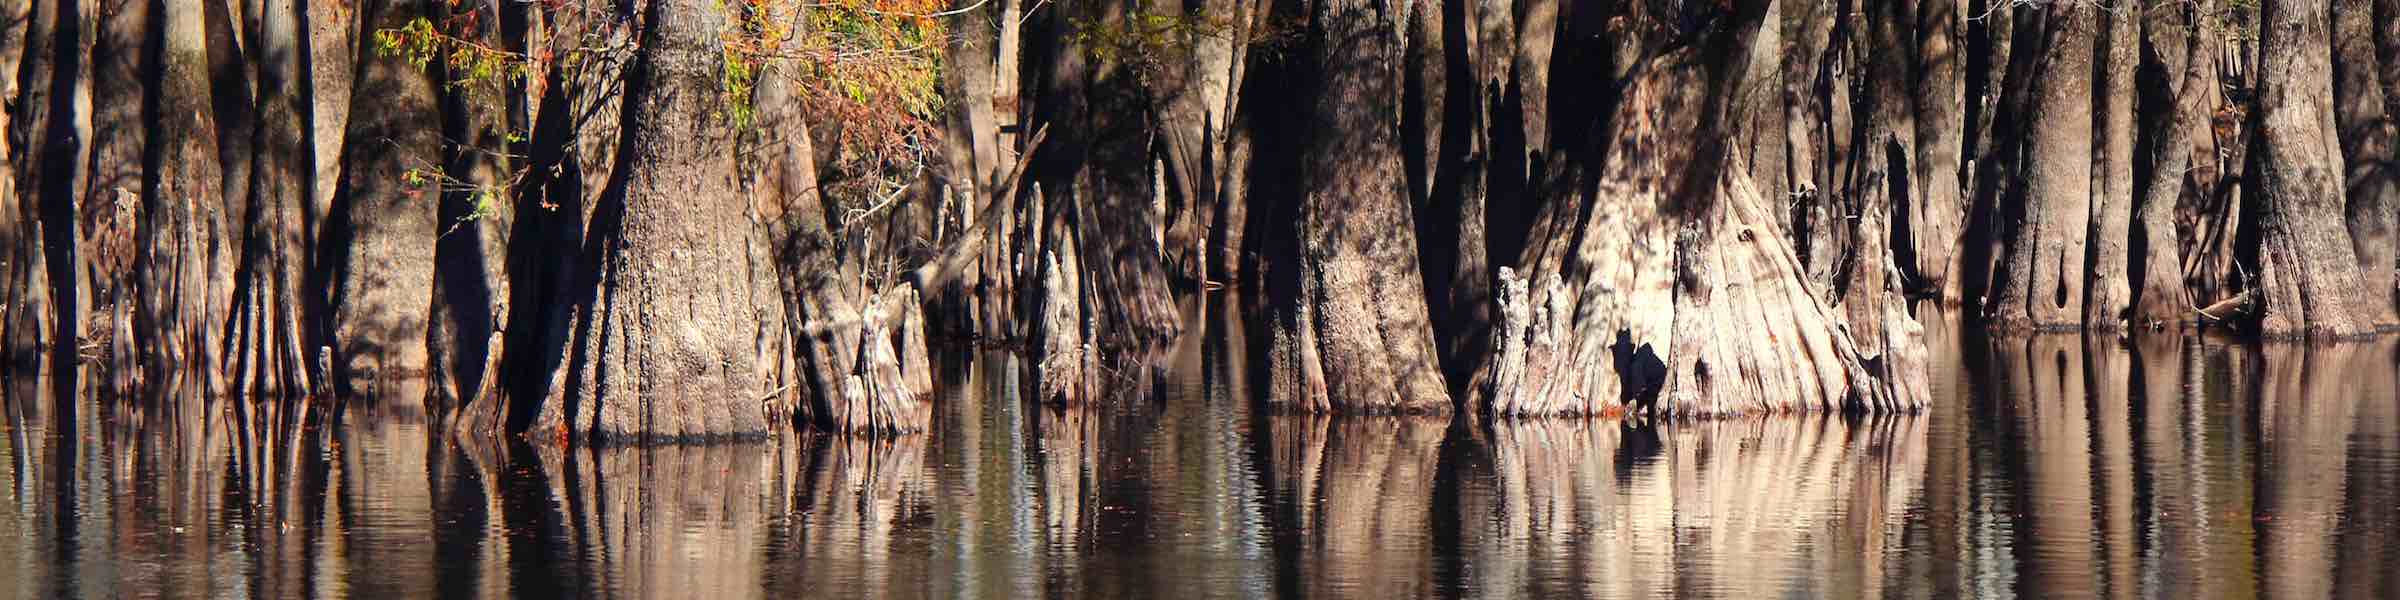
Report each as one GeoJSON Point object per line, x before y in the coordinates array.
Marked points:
{"type": "Point", "coordinates": [2175, 56]}
{"type": "Point", "coordinates": [181, 231]}
{"type": "Point", "coordinates": [2366, 134]}
{"type": "Point", "coordinates": [1349, 320]}
{"type": "Point", "coordinates": [663, 346]}
{"type": "Point", "coordinates": [1672, 287]}
{"type": "Point", "coordinates": [2108, 300]}
{"type": "Point", "coordinates": [2041, 282]}
{"type": "Point", "coordinates": [2308, 275]}
{"type": "Point", "coordinates": [383, 218]}
{"type": "Point", "coordinates": [1936, 212]}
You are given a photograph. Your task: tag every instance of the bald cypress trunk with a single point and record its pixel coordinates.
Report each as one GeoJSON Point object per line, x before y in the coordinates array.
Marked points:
{"type": "Point", "coordinates": [1347, 309]}
{"type": "Point", "coordinates": [2309, 283]}
{"type": "Point", "coordinates": [871, 375]}
{"type": "Point", "coordinates": [2367, 144]}
{"type": "Point", "coordinates": [470, 283]}
{"type": "Point", "coordinates": [48, 313]}
{"type": "Point", "coordinates": [111, 191]}
{"type": "Point", "coordinates": [2041, 284]}
{"type": "Point", "coordinates": [2108, 301]}
{"type": "Point", "coordinates": [1882, 184]}
{"type": "Point", "coordinates": [1934, 217]}
{"type": "Point", "coordinates": [265, 340]}
{"type": "Point", "coordinates": [383, 217]}
{"type": "Point", "coordinates": [175, 296]}
{"type": "Point", "coordinates": [2176, 54]}
{"type": "Point", "coordinates": [1667, 285]}
{"type": "Point", "coordinates": [662, 341]}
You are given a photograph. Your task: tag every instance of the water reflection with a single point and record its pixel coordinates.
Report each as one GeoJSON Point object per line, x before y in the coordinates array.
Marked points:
{"type": "Point", "coordinates": [1744, 508]}
{"type": "Point", "coordinates": [2054, 466]}
{"type": "Point", "coordinates": [1354, 503]}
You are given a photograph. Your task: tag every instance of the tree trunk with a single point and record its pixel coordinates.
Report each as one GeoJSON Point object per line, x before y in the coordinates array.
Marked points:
{"type": "Point", "coordinates": [2308, 276]}
{"type": "Point", "coordinates": [383, 219]}
{"type": "Point", "coordinates": [462, 338]}
{"type": "Point", "coordinates": [2108, 300]}
{"type": "Point", "coordinates": [1936, 212]}
{"type": "Point", "coordinates": [2175, 58]}
{"type": "Point", "coordinates": [662, 342]}
{"type": "Point", "coordinates": [1881, 177]}
{"type": "Point", "coordinates": [1348, 311]}
{"type": "Point", "coordinates": [175, 296]}
{"type": "Point", "coordinates": [265, 340]}
{"type": "Point", "coordinates": [52, 131]}
{"type": "Point", "coordinates": [1612, 292]}
{"type": "Point", "coordinates": [19, 39]}
{"type": "Point", "coordinates": [2041, 281]}
{"type": "Point", "coordinates": [1990, 139]}
{"type": "Point", "coordinates": [110, 197]}
{"type": "Point", "coordinates": [2366, 137]}
{"type": "Point", "coordinates": [1749, 334]}
{"type": "Point", "coordinates": [850, 379]}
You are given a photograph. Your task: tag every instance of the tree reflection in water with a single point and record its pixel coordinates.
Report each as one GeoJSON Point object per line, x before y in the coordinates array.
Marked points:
{"type": "Point", "coordinates": [2164, 466]}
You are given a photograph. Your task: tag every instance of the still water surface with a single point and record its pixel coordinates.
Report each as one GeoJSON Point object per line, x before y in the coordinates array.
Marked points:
{"type": "Point", "coordinates": [2053, 467]}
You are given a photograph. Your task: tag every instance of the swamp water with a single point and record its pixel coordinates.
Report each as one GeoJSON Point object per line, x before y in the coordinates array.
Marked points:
{"type": "Point", "coordinates": [2171, 466]}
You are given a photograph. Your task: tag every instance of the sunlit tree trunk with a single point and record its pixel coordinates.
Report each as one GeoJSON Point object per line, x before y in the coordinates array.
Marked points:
{"type": "Point", "coordinates": [2108, 300]}
{"type": "Point", "coordinates": [1680, 293]}
{"type": "Point", "coordinates": [2308, 272]}
{"type": "Point", "coordinates": [663, 339]}
{"type": "Point", "coordinates": [2041, 282]}
{"type": "Point", "coordinates": [2366, 135]}
{"type": "Point", "coordinates": [177, 312]}
{"type": "Point", "coordinates": [2176, 54]}
{"type": "Point", "coordinates": [1936, 211]}
{"type": "Point", "coordinates": [1347, 304]}
{"type": "Point", "coordinates": [382, 221]}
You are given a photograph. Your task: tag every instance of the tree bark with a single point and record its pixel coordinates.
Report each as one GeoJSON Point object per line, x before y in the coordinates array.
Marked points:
{"type": "Point", "coordinates": [2366, 135]}
{"type": "Point", "coordinates": [2308, 275]}
{"type": "Point", "coordinates": [1936, 213]}
{"type": "Point", "coordinates": [110, 195]}
{"type": "Point", "coordinates": [2041, 282]}
{"type": "Point", "coordinates": [2176, 55]}
{"type": "Point", "coordinates": [54, 128]}
{"type": "Point", "coordinates": [265, 340]}
{"type": "Point", "coordinates": [1583, 331]}
{"type": "Point", "coordinates": [662, 344]}
{"type": "Point", "coordinates": [19, 40]}
{"type": "Point", "coordinates": [861, 379]}
{"type": "Point", "coordinates": [2108, 300]}
{"type": "Point", "coordinates": [177, 310]}
{"type": "Point", "coordinates": [1349, 318]}
{"type": "Point", "coordinates": [1881, 178]}
{"type": "Point", "coordinates": [462, 338]}
{"type": "Point", "coordinates": [383, 218]}
{"type": "Point", "coordinates": [1990, 139]}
